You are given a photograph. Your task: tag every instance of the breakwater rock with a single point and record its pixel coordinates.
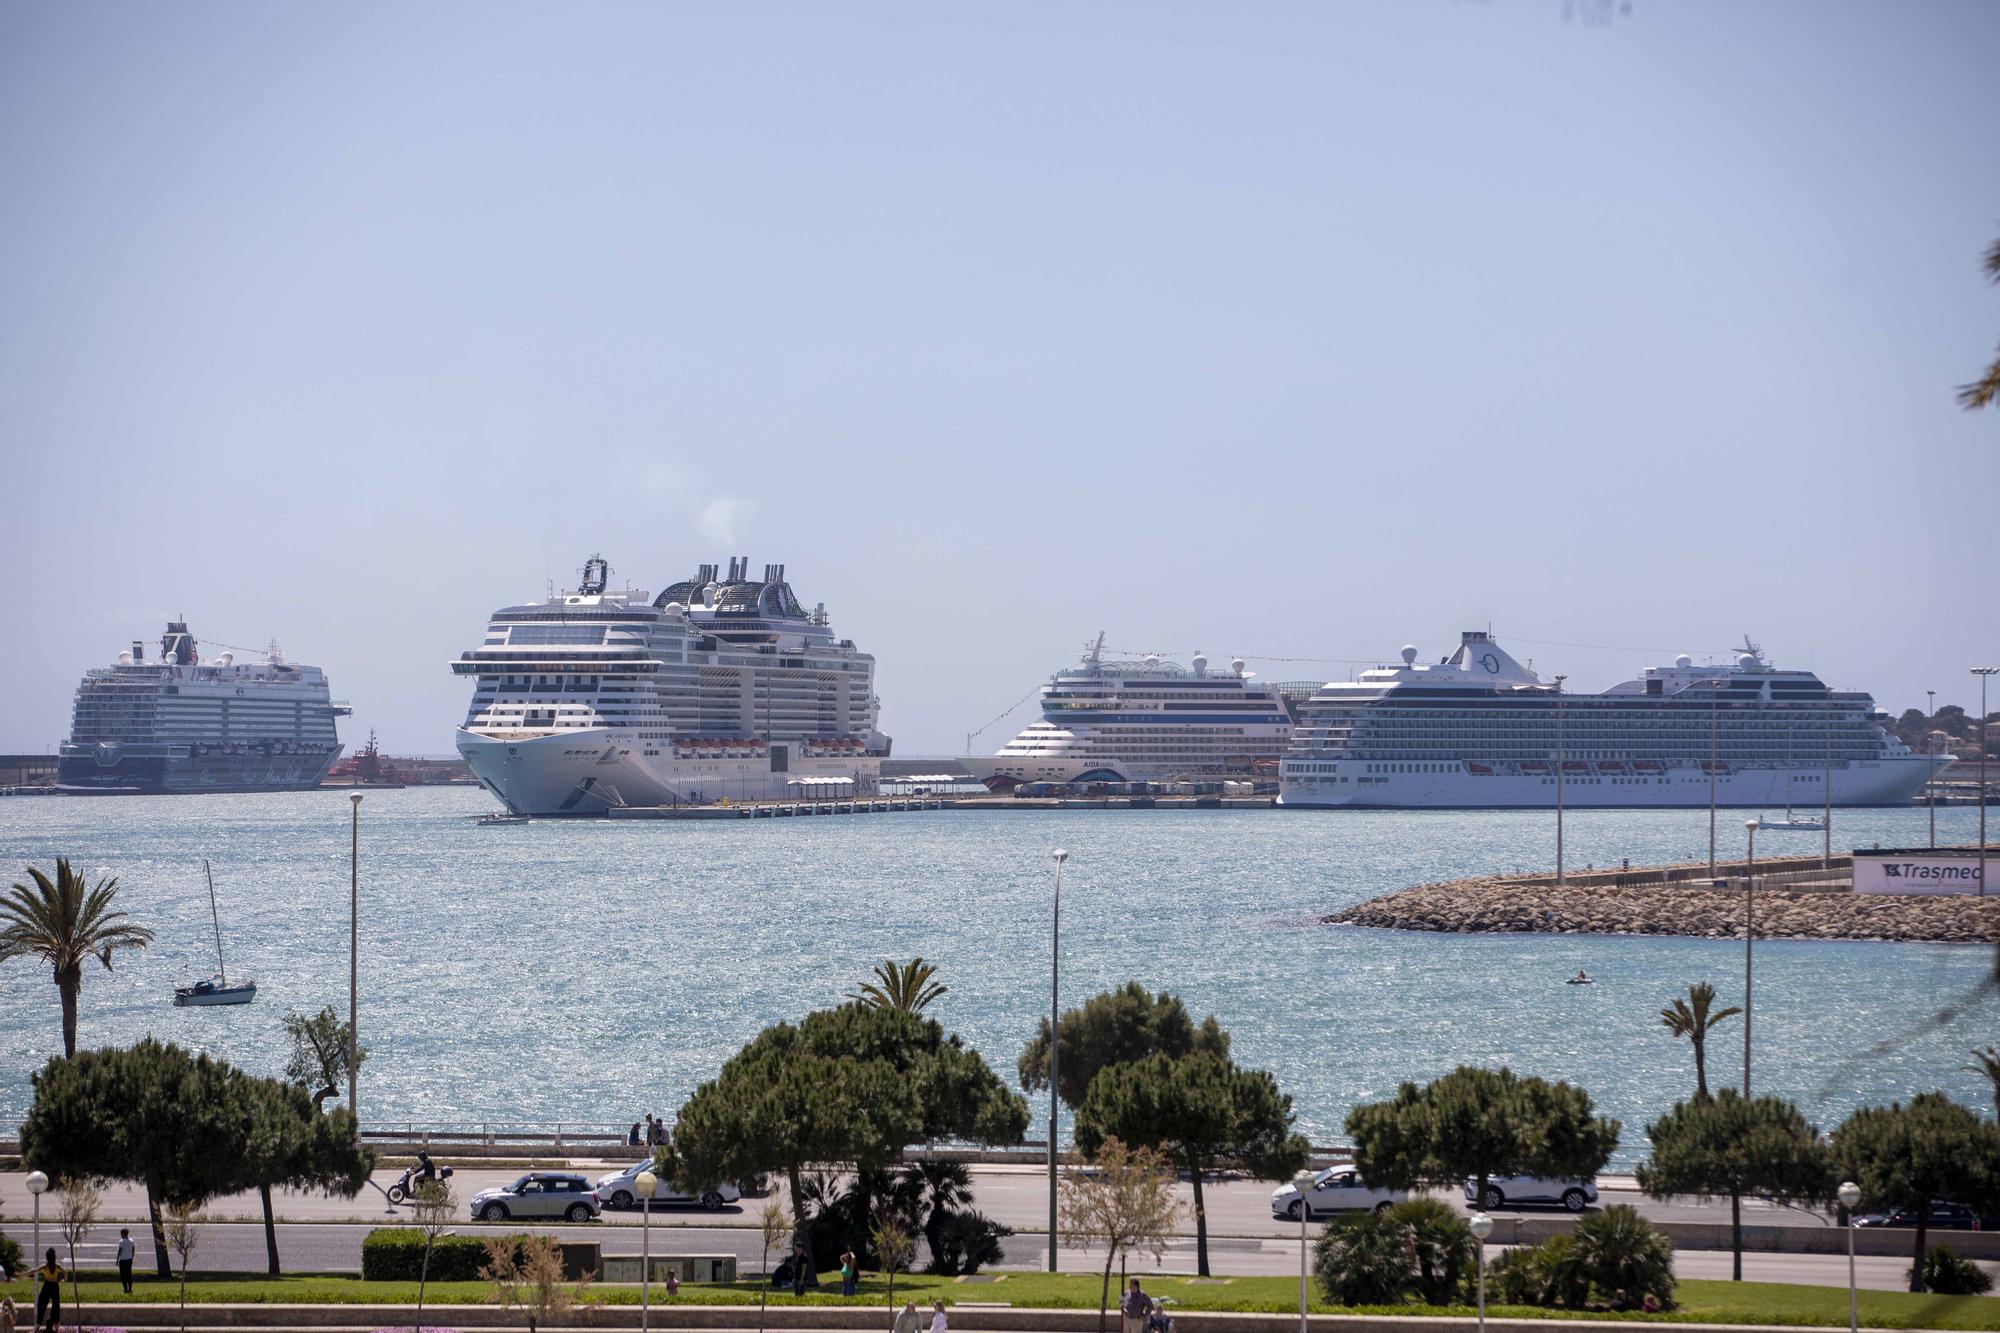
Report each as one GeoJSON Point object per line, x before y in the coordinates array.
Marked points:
{"type": "Point", "coordinates": [1538, 906]}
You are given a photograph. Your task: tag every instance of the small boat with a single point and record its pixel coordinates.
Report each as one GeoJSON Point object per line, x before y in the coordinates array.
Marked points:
{"type": "Point", "coordinates": [1582, 978]}
{"type": "Point", "coordinates": [1792, 824]}
{"type": "Point", "coordinates": [216, 989]}
{"type": "Point", "coordinates": [501, 817]}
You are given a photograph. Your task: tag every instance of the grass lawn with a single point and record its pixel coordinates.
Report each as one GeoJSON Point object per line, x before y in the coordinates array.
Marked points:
{"type": "Point", "coordinates": [1701, 1302]}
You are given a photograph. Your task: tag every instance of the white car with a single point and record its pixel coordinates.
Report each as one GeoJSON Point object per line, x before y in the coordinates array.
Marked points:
{"type": "Point", "coordinates": [617, 1190]}
{"type": "Point", "coordinates": [1513, 1191]}
{"type": "Point", "coordinates": [1338, 1189]}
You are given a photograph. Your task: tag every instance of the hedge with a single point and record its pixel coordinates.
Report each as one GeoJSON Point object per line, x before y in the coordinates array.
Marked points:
{"type": "Point", "coordinates": [396, 1254]}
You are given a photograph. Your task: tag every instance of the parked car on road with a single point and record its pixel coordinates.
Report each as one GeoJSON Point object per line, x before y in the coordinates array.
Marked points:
{"type": "Point", "coordinates": [538, 1194]}
{"type": "Point", "coordinates": [1942, 1216]}
{"type": "Point", "coordinates": [618, 1190]}
{"type": "Point", "coordinates": [1514, 1191]}
{"type": "Point", "coordinates": [1337, 1189]}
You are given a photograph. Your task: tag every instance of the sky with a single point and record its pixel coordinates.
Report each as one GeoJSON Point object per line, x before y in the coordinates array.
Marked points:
{"type": "Point", "coordinates": [1295, 331]}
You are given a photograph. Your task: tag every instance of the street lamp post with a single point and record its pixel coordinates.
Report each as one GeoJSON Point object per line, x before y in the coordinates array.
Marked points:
{"type": "Point", "coordinates": [1055, 1044]}
{"type": "Point", "coordinates": [354, 960]}
{"type": "Point", "coordinates": [1559, 778]}
{"type": "Point", "coordinates": [1982, 673]}
{"type": "Point", "coordinates": [646, 1183]}
{"type": "Point", "coordinates": [37, 1182]}
{"type": "Point", "coordinates": [1303, 1183]}
{"type": "Point", "coordinates": [1850, 1194]}
{"type": "Point", "coordinates": [1930, 753]}
{"type": "Point", "coordinates": [1714, 749]}
{"type": "Point", "coordinates": [1482, 1227]}
{"type": "Point", "coordinates": [1749, 942]}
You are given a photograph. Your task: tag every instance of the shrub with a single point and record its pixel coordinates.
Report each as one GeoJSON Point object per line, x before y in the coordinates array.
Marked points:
{"type": "Point", "coordinates": [396, 1254]}
{"type": "Point", "coordinates": [1948, 1275]}
{"type": "Point", "coordinates": [1363, 1261]}
{"type": "Point", "coordinates": [1443, 1247]}
{"type": "Point", "coordinates": [1559, 1273]}
{"type": "Point", "coordinates": [966, 1242]}
{"type": "Point", "coordinates": [1619, 1250]}
{"type": "Point", "coordinates": [1511, 1278]}
{"type": "Point", "coordinates": [10, 1256]}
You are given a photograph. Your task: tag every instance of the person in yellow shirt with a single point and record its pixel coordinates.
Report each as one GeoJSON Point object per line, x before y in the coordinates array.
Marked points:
{"type": "Point", "coordinates": [48, 1294]}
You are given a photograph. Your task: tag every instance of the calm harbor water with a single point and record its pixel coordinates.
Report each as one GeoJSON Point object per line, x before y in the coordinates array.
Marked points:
{"type": "Point", "coordinates": [592, 971]}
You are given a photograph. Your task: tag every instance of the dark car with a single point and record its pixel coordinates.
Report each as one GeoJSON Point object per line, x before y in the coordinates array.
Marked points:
{"type": "Point", "coordinates": [1941, 1216]}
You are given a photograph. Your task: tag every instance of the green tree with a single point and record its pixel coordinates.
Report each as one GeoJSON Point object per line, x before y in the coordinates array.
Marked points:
{"type": "Point", "coordinates": [1694, 1018]}
{"type": "Point", "coordinates": [287, 1144]}
{"type": "Point", "coordinates": [895, 1243]}
{"type": "Point", "coordinates": [1198, 1109]}
{"type": "Point", "coordinates": [906, 986]}
{"type": "Point", "coordinates": [1618, 1250]}
{"type": "Point", "coordinates": [1476, 1124]}
{"type": "Point", "coordinates": [938, 1191]}
{"type": "Point", "coordinates": [318, 1060]}
{"type": "Point", "coordinates": [154, 1113]}
{"type": "Point", "coordinates": [1364, 1260]}
{"type": "Point", "coordinates": [856, 1084]}
{"type": "Point", "coordinates": [1906, 1156]}
{"type": "Point", "coordinates": [1986, 1060]}
{"type": "Point", "coordinates": [62, 922]}
{"type": "Point", "coordinates": [1117, 1027]}
{"type": "Point", "coordinates": [1982, 392]}
{"type": "Point", "coordinates": [1724, 1146]}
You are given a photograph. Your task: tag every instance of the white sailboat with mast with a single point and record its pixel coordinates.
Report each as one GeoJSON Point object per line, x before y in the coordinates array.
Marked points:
{"type": "Point", "coordinates": [216, 989]}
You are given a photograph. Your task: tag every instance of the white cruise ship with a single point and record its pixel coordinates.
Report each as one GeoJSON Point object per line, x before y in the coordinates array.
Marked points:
{"type": "Point", "coordinates": [1144, 720]}
{"type": "Point", "coordinates": [1480, 730]}
{"type": "Point", "coordinates": [185, 723]}
{"type": "Point", "coordinates": [720, 688]}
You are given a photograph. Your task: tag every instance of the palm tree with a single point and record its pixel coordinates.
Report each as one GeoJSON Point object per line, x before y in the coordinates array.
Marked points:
{"type": "Point", "coordinates": [64, 922]}
{"type": "Point", "coordinates": [1984, 391]}
{"type": "Point", "coordinates": [935, 1190]}
{"type": "Point", "coordinates": [1987, 1061]}
{"type": "Point", "coordinates": [905, 986]}
{"type": "Point", "coordinates": [1693, 1018]}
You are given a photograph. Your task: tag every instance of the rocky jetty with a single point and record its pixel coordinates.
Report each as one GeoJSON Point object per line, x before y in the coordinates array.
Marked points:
{"type": "Point", "coordinates": [1538, 906]}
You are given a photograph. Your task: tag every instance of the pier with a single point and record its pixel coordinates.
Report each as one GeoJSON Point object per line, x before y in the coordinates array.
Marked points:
{"type": "Point", "coordinates": [884, 805]}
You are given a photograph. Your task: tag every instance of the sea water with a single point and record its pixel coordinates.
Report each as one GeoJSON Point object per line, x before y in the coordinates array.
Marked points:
{"type": "Point", "coordinates": [589, 971]}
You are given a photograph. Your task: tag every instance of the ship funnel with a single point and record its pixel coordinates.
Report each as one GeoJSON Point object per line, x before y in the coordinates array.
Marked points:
{"type": "Point", "coordinates": [138, 651]}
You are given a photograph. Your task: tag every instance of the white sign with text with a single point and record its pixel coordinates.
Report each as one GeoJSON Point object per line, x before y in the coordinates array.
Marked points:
{"type": "Point", "coordinates": [1915, 872]}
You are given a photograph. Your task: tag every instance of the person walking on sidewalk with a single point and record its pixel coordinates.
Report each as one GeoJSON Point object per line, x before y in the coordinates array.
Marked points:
{"type": "Point", "coordinates": [909, 1321]}
{"type": "Point", "coordinates": [1135, 1306]}
{"type": "Point", "coordinates": [938, 1324]}
{"type": "Point", "coordinates": [48, 1294]}
{"type": "Point", "coordinates": [126, 1251]}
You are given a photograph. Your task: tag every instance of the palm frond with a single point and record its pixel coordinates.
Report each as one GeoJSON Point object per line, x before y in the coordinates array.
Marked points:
{"type": "Point", "coordinates": [905, 986]}
{"type": "Point", "coordinates": [1982, 392]}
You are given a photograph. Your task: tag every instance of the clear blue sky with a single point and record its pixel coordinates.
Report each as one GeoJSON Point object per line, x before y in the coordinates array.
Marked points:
{"type": "Point", "coordinates": [1290, 330]}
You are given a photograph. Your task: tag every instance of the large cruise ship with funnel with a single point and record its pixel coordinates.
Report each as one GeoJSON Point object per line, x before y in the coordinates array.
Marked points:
{"type": "Point", "coordinates": [1478, 729]}
{"type": "Point", "coordinates": [1145, 719]}
{"type": "Point", "coordinates": [186, 723]}
{"type": "Point", "coordinates": [723, 687]}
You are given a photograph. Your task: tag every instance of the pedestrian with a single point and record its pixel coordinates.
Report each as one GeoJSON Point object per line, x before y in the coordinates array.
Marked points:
{"type": "Point", "coordinates": [909, 1321]}
{"type": "Point", "coordinates": [673, 1283]}
{"type": "Point", "coordinates": [1620, 1302]}
{"type": "Point", "coordinates": [126, 1251]}
{"type": "Point", "coordinates": [850, 1273]}
{"type": "Point", "coordinates": [7, 1312]}
{"type": "Point", "coordinates": [632, 1139]}
{"type": "Point", "coordinates": [1135, 1306]}
{"type": "Point", "coordinates": [801, 1265]}
{"type": "Point", "coordinates": [938, 1324]}
{"type": "Point", "coordinates": [1651, 1303]}
{"type": "Point", "coordinates": [48, 1295]}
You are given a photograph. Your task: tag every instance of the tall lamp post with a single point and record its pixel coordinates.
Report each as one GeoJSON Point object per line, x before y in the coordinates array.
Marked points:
{"type": "Point", "coordinates": [1930, 753]}
{"type": "Point", "coordinates": [1850, 1194]}
{"type": "Point", "coordinates": [1482, 1227]}
{"type": "Point", "coordinates": [1055, 1044]}
{"type": "Point", "coordinates": [1303, 1183]}
{"type": "Point", "coordinates": [646, 1183]}
{"type": "Point", "coordinates": [1982, 673]}
{"type": "Point", "coordinates": [1714, 750]}
{"type": "Point", "coordinates": [1749, 942]}
{"type": "Point", "coordinates": [1559, 778]}
{"type": "Point", "coordinates": [354, 959]}
{"type": "Point", "coordinates": [37, 1182]}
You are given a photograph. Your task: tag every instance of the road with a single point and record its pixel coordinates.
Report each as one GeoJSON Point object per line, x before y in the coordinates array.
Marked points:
{"type": "Point", "coordinates": [318, 1234]}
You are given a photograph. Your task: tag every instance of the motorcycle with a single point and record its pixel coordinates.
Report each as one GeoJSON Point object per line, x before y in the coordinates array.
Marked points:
{"type": "Point", "coordinates": [412, 1177]}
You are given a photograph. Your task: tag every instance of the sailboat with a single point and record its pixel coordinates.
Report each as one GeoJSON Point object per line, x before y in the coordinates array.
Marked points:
{"type": "Point", "coordinates": [216, 989]}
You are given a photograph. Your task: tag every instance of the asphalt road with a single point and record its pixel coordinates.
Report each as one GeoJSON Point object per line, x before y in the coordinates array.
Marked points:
{"type": "Point", "coordinates": [237, 1247]}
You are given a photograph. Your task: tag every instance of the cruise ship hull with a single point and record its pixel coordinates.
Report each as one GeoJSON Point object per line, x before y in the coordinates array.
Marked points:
{"type": "Point", "coordinates": [86, 774]}
{"type": "Point", "coordinates": [1888, 781]}
{"type": "Point", "coordinates": [584, 772]}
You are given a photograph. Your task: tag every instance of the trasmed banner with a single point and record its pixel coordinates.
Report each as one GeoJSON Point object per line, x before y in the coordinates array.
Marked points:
{"type": "Point", "coordinates": [1916, 872]}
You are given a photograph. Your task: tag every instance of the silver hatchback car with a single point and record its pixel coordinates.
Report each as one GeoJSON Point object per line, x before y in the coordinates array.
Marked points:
{"type": "Point", "coordinates": [539, 1194]}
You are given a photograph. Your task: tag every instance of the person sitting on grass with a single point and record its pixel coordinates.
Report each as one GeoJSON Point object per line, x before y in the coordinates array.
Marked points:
{"type": "Point", "coordinates": [1650, 1304]}
{"type": "Point", "coordinates": [1620, 1302]}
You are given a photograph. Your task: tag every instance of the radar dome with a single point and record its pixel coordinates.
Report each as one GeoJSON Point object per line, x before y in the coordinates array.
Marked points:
{"type": "Point", "coordinates": [1683, 661]}
{"type": "Point", "coordinates": [1409, 654]}
{"type": "Point", "coordinates": [1236, 665]}
{"type": "Point", "coordinates": [675, 609]}
{"type": "Point", "coordinates": [1199, 663]}
{"type": "Point", "coordinates": [225, 659]}
{"type": "Point", "coordinates": [1152, 660]}
{"type": "Point", "coordinates": [1747, 661]}
{"type": "Point", "coordinates": [125, 658]}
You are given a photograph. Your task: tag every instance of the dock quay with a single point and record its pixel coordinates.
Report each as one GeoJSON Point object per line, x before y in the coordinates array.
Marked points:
{"type": "Point", "coordinates": [884, 805]}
